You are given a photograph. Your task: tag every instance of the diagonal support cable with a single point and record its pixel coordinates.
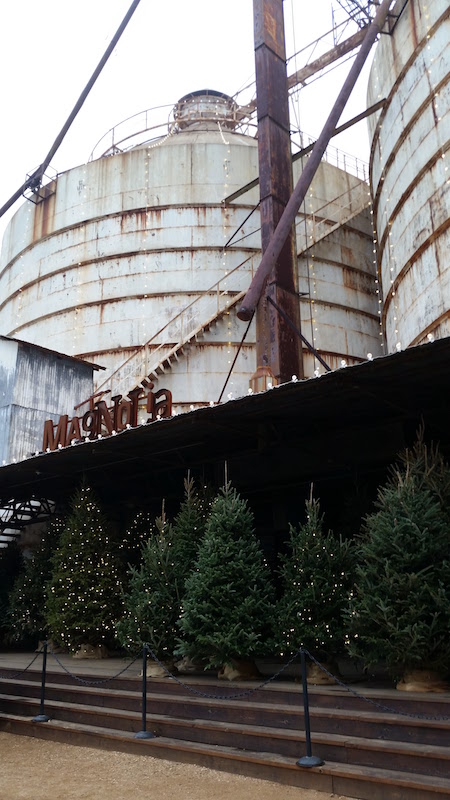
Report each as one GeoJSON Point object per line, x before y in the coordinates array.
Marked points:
{"type": "Point", "coordinates": [310, 347]}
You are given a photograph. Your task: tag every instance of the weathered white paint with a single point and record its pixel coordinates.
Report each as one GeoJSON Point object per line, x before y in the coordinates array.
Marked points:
{"type": "Point", "coordinates": [127, 242]}
{"type": "Point", "coordinates": [410, 172]}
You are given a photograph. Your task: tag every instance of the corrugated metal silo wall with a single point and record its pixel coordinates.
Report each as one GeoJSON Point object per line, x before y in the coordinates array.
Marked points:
{"type": "Point", "coordinates": [127, 242]}
{"type": "Point", "coordinates": [337, 273]}
{"type": "Point", "coordinates": [410, 172]}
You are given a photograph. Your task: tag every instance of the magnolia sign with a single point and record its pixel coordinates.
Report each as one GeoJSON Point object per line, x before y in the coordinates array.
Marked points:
{"type": "Point", "coordinates": [106, 420]}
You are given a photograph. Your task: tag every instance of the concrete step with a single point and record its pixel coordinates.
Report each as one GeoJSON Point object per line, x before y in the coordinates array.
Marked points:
{"type": "Point", "coordinates": [365, 783]}
{"type": "Point", "coordinates": [363, 744]}
{"type": "Point", "coordinates": [262, 707]}
{"type": "Point", "coordinates": [290, 742]}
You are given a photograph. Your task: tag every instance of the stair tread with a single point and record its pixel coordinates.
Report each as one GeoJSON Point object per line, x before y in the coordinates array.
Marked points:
{"type": "Point", "coordinates": [369, 774]}
{"type": "Point", "coordinates": [264, 704]}
{"type": "Point", "coordinates": [419, 750]}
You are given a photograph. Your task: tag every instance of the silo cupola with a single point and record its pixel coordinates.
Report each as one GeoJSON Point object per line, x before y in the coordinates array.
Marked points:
{"type": "Point", "coordinates": [202, 110]}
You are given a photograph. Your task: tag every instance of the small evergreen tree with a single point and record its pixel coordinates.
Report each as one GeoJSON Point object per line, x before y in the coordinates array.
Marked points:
{"type": "Point", "coordinates": [29, 594]}
{"type": "Point", "coordinates": [316, 575]}
{"type": "Point", "coordinates": [429, 469]}
{"type": "Point", "coordinates": [400, 608]}
{"type": "Point", "coordinates": [188, 531]}
{"type": "Point", "coordinates": [84, 592]}
{"type": "Point", "coordinates": [228, 610]}
{"type": "Point", "coordinates": [151, 605]}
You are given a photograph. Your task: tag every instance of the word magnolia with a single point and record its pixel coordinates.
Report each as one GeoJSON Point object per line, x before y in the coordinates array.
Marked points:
{"type": "Point", "coordinates": [106, 420]}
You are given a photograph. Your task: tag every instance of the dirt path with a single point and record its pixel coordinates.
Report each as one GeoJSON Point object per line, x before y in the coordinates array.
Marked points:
{"type": "Point", "coordinates": [34, 769]}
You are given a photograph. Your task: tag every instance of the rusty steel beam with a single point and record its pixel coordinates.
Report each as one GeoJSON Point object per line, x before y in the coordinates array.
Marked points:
{"type": "Point", "coordinates": [284, 227]}
{"type": "Point", "coordinates": [277, 347]}
{"type": "Point", "coordinates": [327, 58]}
{"type": "Point", "coordinates": [316, 66]}
{"type": "Point", "coordinates": [304, 152]}
{"type": "Point", "coordinates": [34, 180]}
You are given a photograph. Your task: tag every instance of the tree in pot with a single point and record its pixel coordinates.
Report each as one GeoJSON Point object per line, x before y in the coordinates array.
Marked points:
{"type": "Point", "coordinates": [151, 604]}
{"type": "Point", "coordinates": [228, 609]}
{"type": "Point", "coordinates": [316, 576]}
{"type": "Point", "coordinates": [155, 589]}
{"type": "Point", "coordinates": [399, 611]}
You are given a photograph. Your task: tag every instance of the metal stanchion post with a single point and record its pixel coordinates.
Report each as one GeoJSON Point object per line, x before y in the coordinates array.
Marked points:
{"type": "Point", "coordinates": [309, 760]}
{"type": "Point", "coordinates": [144, 733]}
{"type": "Point", "coordinates": [42, 717]}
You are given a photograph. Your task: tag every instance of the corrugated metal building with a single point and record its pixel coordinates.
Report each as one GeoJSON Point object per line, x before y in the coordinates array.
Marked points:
{"type": "Point", "coordinates": [36, 384]}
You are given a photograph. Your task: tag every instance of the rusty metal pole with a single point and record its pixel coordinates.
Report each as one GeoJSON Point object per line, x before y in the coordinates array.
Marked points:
{"type": "Point", "coordinates": [284, 227]}
{"type": "Point", "coordinates": [277, 347]}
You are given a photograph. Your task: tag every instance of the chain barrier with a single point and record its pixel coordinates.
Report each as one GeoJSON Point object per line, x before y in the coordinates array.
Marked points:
{"type": "Point", "coordinates": [369, 700]}
{"type": "Point", "coordinates": [234, 696]}
{"type": "Point", "coordinates": [85, 681]}
{"type": "Point", "coordinates": [22, 671]}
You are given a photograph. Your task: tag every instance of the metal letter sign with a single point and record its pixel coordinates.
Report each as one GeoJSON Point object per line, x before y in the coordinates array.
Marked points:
{"type": "Point", "coordinates": [106, 420]}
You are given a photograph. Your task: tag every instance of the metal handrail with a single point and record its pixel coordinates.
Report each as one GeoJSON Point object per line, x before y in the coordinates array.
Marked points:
{"type": "Point", "coordinates": [144, 347]}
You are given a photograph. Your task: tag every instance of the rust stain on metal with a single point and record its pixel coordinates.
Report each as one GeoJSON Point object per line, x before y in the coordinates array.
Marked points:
{"type": "Point", "coordinates": [141, 219]}
{"type": "Point", "coordinates": [43, 220]}
{"type": "Point", "coordinates": [413, 25]}
{"type": "Point", "coordinates": [200, 213]}
{"type": "Point", "coordinates": [277, 345]}
{"type": "Point", "coordinates": [348, 258]}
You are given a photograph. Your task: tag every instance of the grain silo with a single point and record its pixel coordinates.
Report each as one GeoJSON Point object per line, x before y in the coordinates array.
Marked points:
{"type": "Point", "coordinates": [135, 262]}
{"type": "Point", "coordinates": [410, 173]}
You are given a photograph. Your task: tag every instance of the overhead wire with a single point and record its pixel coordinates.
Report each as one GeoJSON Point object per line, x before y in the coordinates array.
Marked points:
{"type": "Point", "coordinates": [34, 180]}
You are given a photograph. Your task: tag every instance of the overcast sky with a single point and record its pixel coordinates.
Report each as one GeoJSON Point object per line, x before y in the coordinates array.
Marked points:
{"type": "Point", "coordinates": [49, 49]}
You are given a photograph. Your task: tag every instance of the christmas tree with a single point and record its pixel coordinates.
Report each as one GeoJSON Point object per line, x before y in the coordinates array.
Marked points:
{"type": "Point", "coordinates": [28, 597]}
{"type": "Point", "coordinates": [84, 592]}
{"type": "Point", "coordinates": [429, 469]}
{"type": "Point", "coordinates": [228, 610]}
{"type": "Point", "coordinates": [400, 609]}
{"type": "Point", "coordinates": [316, 576]}
{"type": "Point", "coordinates": [152, 602]}
{"type": "Point", "coordinates": [188, 531]}
{"type": "Point", "coordinates": [130, 547]}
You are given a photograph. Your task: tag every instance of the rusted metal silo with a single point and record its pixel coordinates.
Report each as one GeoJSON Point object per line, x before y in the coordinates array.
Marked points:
{"type": "Point", "coordinates": [133, 260]}
{"type": "Point", "coordinates": [409, 173]}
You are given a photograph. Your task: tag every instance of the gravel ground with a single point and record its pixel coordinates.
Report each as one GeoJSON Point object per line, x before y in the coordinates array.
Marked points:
{"type": "Point", "coordinates": [34, 769]}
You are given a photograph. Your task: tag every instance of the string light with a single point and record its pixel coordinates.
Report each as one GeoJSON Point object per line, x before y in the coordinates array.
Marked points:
{"type": "Point", "coordinates": [427, 59]}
